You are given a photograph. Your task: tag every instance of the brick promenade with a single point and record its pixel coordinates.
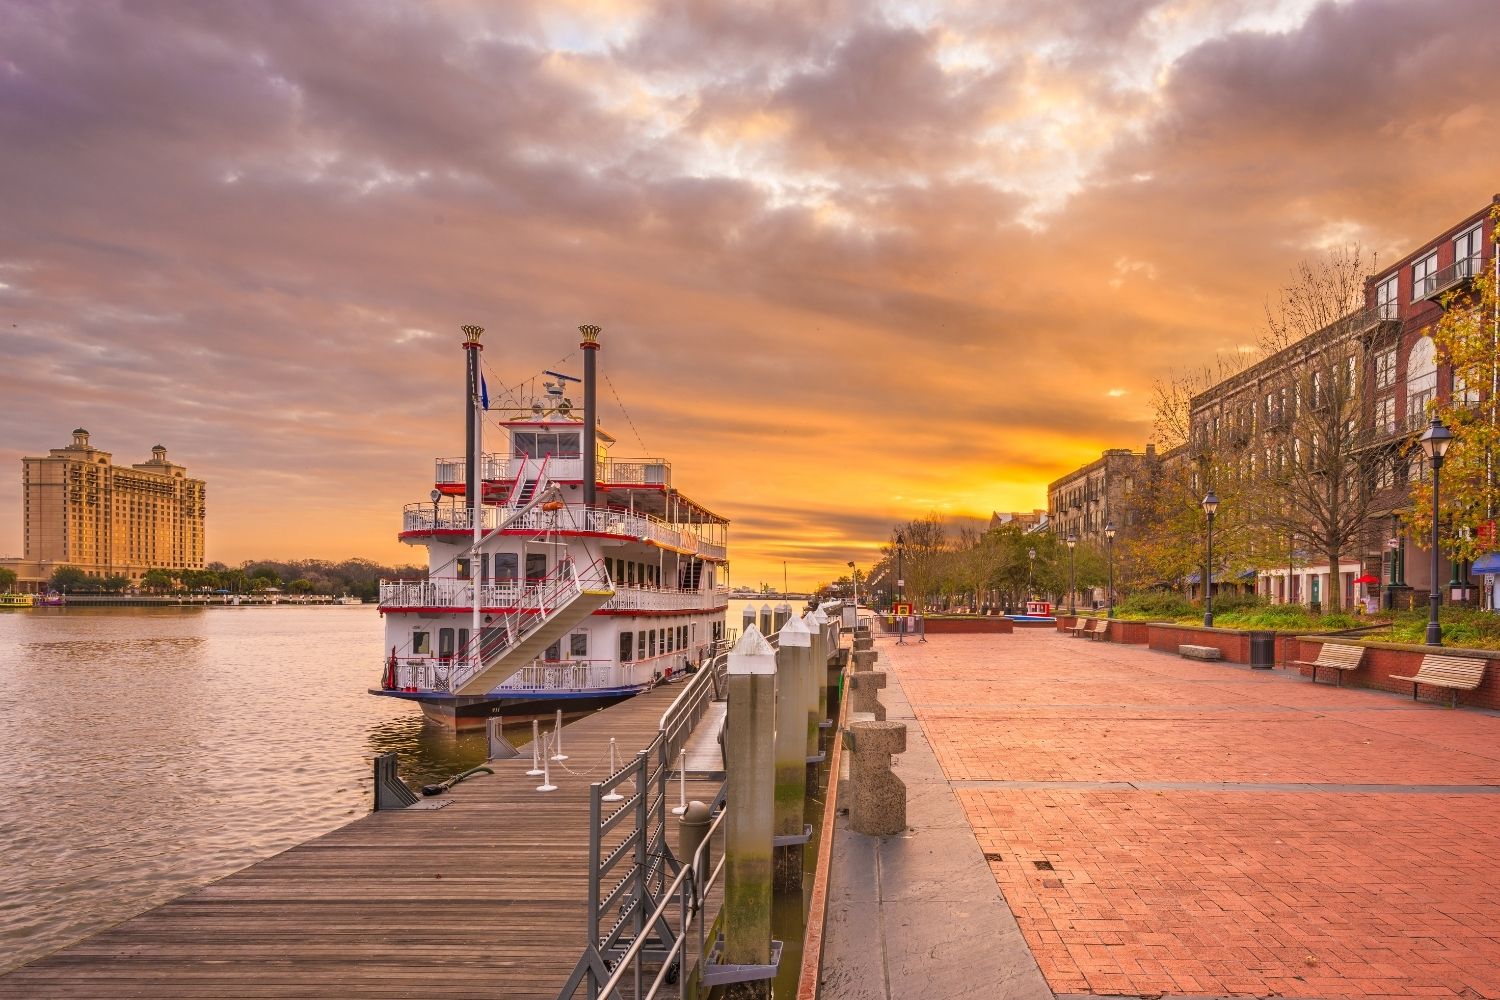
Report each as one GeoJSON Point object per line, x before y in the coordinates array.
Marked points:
{"type": "Point", "coordinates": [1161, 826]}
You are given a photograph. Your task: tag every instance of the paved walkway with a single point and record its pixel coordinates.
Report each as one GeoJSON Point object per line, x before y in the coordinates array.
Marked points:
{"type": "Point", "coordinates": [1161, 826]}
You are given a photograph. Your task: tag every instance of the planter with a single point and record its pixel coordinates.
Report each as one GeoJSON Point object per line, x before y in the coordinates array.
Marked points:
{"type": "Point", "coordinates": [1382, 660]}
{"type": "Point", "coordinates": [1233, 644]}
{"type": "Point", "coordinates": [1130, 633]}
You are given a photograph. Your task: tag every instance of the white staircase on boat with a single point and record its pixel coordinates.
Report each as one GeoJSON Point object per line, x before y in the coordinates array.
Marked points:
{"type": "Point", "coordinates": [516, 639]}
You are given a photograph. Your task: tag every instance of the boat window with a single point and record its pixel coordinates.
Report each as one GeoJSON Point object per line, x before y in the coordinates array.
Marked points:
{"type": "Point", "coordinates": [484, 567]}
{"type": "Point", "coordinates": [463, 642]}
{"type": "Point", "coordinates": [419, 643]}
{"type": "Point", "coordinates": [553, 653]}
{"type": "Point", "coordinates": [536, 566]}
{"type": "Point", "coordinates": [445, 642]}
{"type": "Point", "coordinates": [461, 567]}
{"type": "Point", "coordinates": [523, 444]}
{"type": "Point", "coordinates": [626, 644]}
{"type": "Point", "coordinates": [640, 644]}
{"type": "Point", "coordinates": [567, 445]}
{"type": "Point", "coordinates": [541, 443]}
{"type": "Point", "coordinates": [505, 566]}
{"type": "Point", "coordinates": [578, 645]}
{"type": "Point", "coordinates": [652, 638]}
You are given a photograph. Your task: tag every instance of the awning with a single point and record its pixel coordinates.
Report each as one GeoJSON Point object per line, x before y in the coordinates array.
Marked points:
{"type": "Point", "coordinates": [1487, 563]}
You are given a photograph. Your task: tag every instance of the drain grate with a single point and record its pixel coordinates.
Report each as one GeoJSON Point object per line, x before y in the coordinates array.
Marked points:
{"type": "Point", "coordinates": [1043, 866]}
{"type": "Point", "coordinates": [992, 856]}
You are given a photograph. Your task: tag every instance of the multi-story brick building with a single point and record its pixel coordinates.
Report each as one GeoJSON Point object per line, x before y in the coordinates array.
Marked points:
{"type": "Point", "coordinates": [1082, 502]}
{"type": "Point", "coordinates": [82, 510]}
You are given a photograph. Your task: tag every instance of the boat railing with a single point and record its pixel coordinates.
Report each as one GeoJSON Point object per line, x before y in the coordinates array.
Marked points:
{"type": "Point", "coordinates": [647, 599]}
{"type": "Point", "coordinates": [565, 675]}
{"type": "Point", "coordinates": [494, 467]}
{"type": "Point", "coordinates": [420, 516]}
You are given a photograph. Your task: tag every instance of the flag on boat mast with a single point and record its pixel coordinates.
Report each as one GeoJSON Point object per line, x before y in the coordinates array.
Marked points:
{"type": "Point", "coordinates": [484, 393]}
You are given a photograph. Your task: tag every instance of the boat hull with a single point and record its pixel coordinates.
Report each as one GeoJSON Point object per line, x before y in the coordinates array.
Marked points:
{"type": "Point", "coordinates": [470, 714]}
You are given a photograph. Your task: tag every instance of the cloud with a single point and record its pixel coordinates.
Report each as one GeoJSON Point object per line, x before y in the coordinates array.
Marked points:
{"type": "Point", "coordinates": [842, 253]}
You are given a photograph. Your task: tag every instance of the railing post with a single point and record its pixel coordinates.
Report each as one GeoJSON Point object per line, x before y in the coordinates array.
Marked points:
{"type": "Point", "coordinates": [791, 752]}
{"type": "Point", "coordinates": [749, 738]}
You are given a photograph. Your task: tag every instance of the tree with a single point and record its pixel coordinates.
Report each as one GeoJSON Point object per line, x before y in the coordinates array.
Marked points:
{"type": "Point", "coordinates": [1308, 476]}
{"type": "Point", "coordinates": [1466, 338]}
{"type": "Point", "coordinates": [115, 583]}
{"type": "Point", "coordinates": [923, 545]}
{"type": "Point", "coordinates": [7, 578]}
{"type": "Point", "coordinates": [69, 578]}
{"type": "Point", "coordinates": [158, 581]}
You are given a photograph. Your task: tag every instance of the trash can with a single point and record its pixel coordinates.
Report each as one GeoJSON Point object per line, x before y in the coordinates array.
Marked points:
{"type": "Point", "coordinates": [1262, 650]}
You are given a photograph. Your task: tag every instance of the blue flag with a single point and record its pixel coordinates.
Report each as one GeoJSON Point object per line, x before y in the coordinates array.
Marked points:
{"type": "Point", "coordinates": [484, 393]}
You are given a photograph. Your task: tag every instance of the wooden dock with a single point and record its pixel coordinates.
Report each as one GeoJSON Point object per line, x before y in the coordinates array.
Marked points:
{"type": "Point", "coordinates": [483, 898]}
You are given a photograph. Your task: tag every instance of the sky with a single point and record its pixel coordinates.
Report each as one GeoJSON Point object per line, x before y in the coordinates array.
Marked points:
{"type": "Point", "coordinates": [854, 262]}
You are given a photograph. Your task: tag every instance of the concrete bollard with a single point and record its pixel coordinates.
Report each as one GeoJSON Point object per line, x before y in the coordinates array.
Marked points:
{"type": "Point", "coordinates": [750, 777]}
{"type": "Point", "coordinates": [879, 806]}
{"type": "Point", "coordinates": [864, 659]}
{"type": "Point", "coordinates": [747, 618]}
{"type": "Point", "coordinates": [867, 685]}
{"type": "Point", "coordinates": [865, 642]}
{"type": "Point", "coordinates": [792, 667]}
{"type": "Point", "coordinates": [767, 620]}
{"type": "Point", "coordinates": [783, 615]}
{"type": "Point", "coordinates": [812, 684]}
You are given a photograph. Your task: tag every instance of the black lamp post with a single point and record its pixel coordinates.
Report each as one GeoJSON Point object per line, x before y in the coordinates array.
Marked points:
{"type": "Point", "coordinates": [1210, 507]}
{"type": "Point", "coordinates": [1072, 590]}
{"type": "Point", "coordinates": [1435, 441]}
{"type": "Point", "coordinates": [900, 591]}
{"type": "Point", "coordinates": [1109, 545]}
{"type": "Point", "coordinates": [1030, 572]}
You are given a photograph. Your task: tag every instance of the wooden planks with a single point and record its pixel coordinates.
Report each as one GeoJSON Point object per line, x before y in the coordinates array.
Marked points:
{"type": "Point", "coordinates": [482, 898]}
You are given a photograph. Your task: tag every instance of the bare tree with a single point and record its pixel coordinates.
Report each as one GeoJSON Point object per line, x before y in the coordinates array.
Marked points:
{"type": "Point", "coordinates": [1305, 468]}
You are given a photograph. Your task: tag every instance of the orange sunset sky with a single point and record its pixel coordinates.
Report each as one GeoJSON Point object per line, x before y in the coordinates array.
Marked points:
{"type": "Point", "coordinates": [854, 261]}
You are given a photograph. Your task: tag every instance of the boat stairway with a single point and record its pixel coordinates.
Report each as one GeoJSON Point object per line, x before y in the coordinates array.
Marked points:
{"type": "Point", "coordinates": [537, 632]}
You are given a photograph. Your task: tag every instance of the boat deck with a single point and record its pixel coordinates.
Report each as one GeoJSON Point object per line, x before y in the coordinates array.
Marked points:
{"type": "Point", "coordinates": [484, 897]}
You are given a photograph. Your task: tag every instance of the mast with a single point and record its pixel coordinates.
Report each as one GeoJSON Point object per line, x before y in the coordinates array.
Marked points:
{"type": "Point", "coordinates": [590, 347]}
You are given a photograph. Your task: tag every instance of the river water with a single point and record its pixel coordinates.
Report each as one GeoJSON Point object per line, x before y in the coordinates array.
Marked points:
{"type": "Point", "coordinates": [151, 750]}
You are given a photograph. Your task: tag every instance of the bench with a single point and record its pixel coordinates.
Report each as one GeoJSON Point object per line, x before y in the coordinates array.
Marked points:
{"type": "Point", "coordinates": [1100, 630]}
{"type": "Point", "coordinates": [1333, 656]}
{"type": "Point", "coordinates": [1079, 627]}
{"type": "Point", "coordinates": [1457, 673]}
{"type": "Point", "coordinates": [1200, 652]}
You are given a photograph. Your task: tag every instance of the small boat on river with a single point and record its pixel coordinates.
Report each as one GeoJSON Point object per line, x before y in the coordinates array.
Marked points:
{"type": "Point", "coordinates": [558, 575]}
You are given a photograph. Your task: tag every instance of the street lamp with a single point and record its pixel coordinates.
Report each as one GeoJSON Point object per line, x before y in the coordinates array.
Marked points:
{"type": "Point", "coordinates": [1210, 507]}
{"type": "Point", "coordinates": [900, 591]}
{"type": "Point", "coordinates": [1030, 572]}
{"type": "Point", "coordinates": [854, 575]}
{"type": "Point", "coordinates": [1109, 545]}
{"type": "Point", "coordinates": [1435, 441]}
{"type": "Point", "coordinates": [1072, 589]}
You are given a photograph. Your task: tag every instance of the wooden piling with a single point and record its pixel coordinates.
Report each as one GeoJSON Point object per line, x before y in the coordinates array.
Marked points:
{"type": "Point", "coordinates": [792, 668]}
{"type": "Point", "coordinates": [749, 751]}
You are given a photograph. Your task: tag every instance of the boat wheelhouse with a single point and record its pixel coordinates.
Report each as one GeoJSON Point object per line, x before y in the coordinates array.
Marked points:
{"type": "Point", "coordinates": [577, 577]}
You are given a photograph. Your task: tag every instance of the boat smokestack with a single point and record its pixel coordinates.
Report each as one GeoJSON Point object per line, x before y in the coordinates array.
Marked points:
{"type": "Point", "coordinates": [472, 347]}
{"type": "Point", "coordinates": [590, 347]}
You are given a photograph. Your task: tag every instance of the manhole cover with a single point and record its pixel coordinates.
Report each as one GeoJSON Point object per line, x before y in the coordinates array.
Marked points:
{"type": "Point", "coordinates": [992, 856]}
{"type": "Point", "coordinates": [1043, 866]}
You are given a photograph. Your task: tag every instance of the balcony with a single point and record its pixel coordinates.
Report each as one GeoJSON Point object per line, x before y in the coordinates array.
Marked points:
{"type": "Point", "coordinates": [568, 468]}
{"type": "Point", "coordinates": [1446, 279]}
{"type": "Point", "coordinates": [1383, 317]}
{"type": "Point", "coordinates": [458, 595]}
{"type": "Point", "coordinates": [424, 517]}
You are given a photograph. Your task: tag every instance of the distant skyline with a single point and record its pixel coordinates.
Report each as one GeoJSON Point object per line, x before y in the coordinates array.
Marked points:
{"type": "Point", "coordinates": [854, 261]}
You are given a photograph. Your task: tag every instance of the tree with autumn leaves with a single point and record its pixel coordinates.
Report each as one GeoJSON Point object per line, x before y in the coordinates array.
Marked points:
{"type": "Point", "coordinates": [1467, 338]}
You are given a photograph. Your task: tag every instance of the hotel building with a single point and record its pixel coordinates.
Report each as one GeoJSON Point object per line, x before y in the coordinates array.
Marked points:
{"type": "Point", "coordinates": [82, 510]}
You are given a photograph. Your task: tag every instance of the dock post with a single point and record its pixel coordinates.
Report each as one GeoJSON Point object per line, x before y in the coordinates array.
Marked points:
{"type": "Point", "coordinates": [782, 616]}
{"type": "Point", "coordinates": [767, 620]}
{"type": "Point", "coordinates": [792, 667]}
{"type": "Point", "coordinates": [818, 622]}
{"type": "Point", "coordinates": [749, 739]}
{"type": "Point", "coordinates": [747, 618]}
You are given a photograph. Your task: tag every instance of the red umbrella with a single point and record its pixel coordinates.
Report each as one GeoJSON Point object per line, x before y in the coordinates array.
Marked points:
{"type": "Point", "coordinates": [1367, 578]}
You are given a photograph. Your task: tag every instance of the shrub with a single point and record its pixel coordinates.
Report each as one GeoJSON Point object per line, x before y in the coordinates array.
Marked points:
{"type": "Point", "coordinates": [1155, 605]}
{"type": "Point", "coordinates": [1236, 602]}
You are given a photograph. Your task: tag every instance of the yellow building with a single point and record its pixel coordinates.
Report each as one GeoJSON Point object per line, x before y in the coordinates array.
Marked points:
{"type": "Point", "coordinates": [82, 510]}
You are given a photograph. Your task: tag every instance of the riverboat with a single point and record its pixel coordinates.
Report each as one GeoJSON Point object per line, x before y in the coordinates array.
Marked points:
{"type": "Point", "coordinates": [17, 600]}
{"type": "Point", "coordinates": [347, 600]}
{"type": "Point", "coordinates": [558, 574]}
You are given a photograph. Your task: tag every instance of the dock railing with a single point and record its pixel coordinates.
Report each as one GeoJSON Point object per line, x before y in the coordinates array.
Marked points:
{"type": "Point", "coordinates": [630, 912]}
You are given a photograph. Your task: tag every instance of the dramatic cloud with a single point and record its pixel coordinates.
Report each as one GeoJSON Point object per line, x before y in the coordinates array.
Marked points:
{"type": "Point", "coordinates": [854, 261]}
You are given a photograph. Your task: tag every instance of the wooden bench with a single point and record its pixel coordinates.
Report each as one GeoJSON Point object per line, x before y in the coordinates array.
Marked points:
{"type": "Point", "coordinates": [1079, 627]}
{"type": "Point", "coordinates": [1333, 656]}
{"type": "Point", "coordinates": [1200, 652]}
{"type": "Point", "coordinates": [1100, 630]}
{"type": "Point", "coordinates": [1457, 673]}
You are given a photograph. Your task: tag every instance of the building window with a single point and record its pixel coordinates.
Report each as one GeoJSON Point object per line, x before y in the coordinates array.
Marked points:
{"type": "Point", "coordinates": [1467, 252]}
{"type": "Point", "coordinates": [1385, 414]}
{"type": "Point", "coordinates": [1385, 369]}
{"type": "Point", "coordinates": [1424, 276]}
{"type": "Point", "coordinates": [1385, 475]}
{"type": "Point", "coordinates": [1386, 306]}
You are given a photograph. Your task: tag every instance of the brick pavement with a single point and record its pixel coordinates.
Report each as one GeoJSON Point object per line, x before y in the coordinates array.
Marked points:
{"type": "Point", "coordinates": [1238, 848]}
